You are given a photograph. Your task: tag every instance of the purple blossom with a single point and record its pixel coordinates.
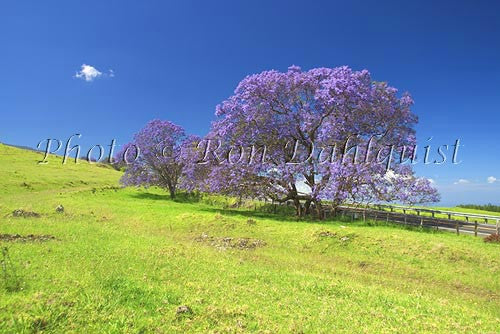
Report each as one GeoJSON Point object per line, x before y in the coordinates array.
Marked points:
{"type": "Point", "coordinates": [154, 157]}
{"type": "Point", "coordinates": [321, 106]}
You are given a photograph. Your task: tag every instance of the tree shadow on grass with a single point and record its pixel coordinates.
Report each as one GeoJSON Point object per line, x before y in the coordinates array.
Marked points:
{"type": "Point", "coordinates": [151, 196]}
{"type": "Point", "coordinates": [179, 198]}
{"type": "Point", "coordinates": [262, 215]}
{"type": "Point", "coordinates": [327, 221]}
{"type": "Point", "coordinates": [279, 217]}
{"type": "Point", "coordinates": [399, 226]}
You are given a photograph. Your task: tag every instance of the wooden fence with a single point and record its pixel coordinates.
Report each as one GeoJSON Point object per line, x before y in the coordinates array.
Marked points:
{"type": "Point", "coordinates": [459, 222]}
{"type": "Point", "coordinates": [464, 226]}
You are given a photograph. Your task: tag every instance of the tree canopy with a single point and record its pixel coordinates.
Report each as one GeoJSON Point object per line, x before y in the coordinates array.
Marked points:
{"type": "Point", "coordinates": [327, 134]}
{"type": "Point", "coordinates": [289, 116]}
{"type": "Point", "coordinates": [154, 157]}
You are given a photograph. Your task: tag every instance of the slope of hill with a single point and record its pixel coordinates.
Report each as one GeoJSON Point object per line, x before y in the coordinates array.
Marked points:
{"type": "Point", "coordinates": [467, 210]}
{"type": "Point", "coordinates": [127, 260]}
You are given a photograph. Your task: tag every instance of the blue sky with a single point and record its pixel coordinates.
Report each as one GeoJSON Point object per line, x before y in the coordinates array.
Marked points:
{"type": "Point", "coordinates": [178, 60]}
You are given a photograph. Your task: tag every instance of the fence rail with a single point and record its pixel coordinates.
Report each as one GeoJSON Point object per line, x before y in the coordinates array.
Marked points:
{"type": "Point", "coordinates": [433, 212]}
{"type": "Point", "coordinates": [470, 223]}
{"type": "Point", "coordinates": [467, 226]}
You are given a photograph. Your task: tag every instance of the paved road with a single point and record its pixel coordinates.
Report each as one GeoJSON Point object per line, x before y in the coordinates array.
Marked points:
{"type": "Point", "coordinates": [418, 220]}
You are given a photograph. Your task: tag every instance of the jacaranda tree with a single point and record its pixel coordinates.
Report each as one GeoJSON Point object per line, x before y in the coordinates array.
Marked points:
{"type": "Point", "coordinates": [307, 136]}
{"type": "Point", "coordinates": [154, 157]}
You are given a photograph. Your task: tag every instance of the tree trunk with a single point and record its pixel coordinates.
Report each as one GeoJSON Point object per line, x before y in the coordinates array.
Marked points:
{"type": "Point", "coordinates": [298, 208]}
{"type": "Point", "coordinates": [171, 189]}
{"type": "Point", "coordinates": [319, 210]}
{"type": "Point", "coordinates": [307, 207]}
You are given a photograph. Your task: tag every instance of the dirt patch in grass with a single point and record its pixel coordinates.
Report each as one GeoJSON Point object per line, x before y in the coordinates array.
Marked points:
{"type": "Point", "coordinates": [343, 238]}
{"type": "Point", "coordinates": [25, 214]}
{"type": "Point", "coordinates": [26, 238]}
{"type": "Point", "coordinates": [223, 243]}
{"type": "Point", "coordinates": [327, 234]}
{"type": "Point", "coordinates": [184, 311]}
{"type": "Point", "coordinates": [227, 222]}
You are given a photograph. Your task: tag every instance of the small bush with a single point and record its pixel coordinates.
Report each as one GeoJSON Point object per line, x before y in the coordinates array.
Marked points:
{"type": "Point", "coordinates": [251, 222]}
{"type": "Point", "coordinates": [486, 207]}
{"type": "Point", "coordinates": [493, 238]}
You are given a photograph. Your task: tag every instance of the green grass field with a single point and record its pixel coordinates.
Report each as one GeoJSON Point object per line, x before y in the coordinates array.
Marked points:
{"type": "Point", "coordinates": [124, 260]}
{"type": "Point", "coordinates": [465, 210]}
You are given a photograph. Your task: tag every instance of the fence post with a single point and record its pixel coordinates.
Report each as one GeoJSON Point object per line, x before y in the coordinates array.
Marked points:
{"type": "Point", "coordinates": [457, 227]}
{"type": "Point", "coordinates": [475, 228]}
{"type": "Point", "coordinates": [498, 226]}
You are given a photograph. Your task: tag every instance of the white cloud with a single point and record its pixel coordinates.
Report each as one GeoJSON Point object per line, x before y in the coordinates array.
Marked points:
{"type": "Point", "coordinates": [431, 181]}
{"type": "Point", "coordinates": [90, 73]}
{"type": "Point", "coordinates": [491, 179]}
{"type": "Point", "coordinates": [462, 181]}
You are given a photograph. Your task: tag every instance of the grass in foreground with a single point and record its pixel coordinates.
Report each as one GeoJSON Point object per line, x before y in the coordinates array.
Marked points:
{"type": "Point", "coordinates": [125, 260]}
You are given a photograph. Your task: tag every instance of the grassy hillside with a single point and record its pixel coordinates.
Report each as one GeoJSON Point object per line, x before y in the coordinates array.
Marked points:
{"type": "Point", "coordinates": [466, 210]}
{"type": "Point", "coordinates": [124, 260]}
